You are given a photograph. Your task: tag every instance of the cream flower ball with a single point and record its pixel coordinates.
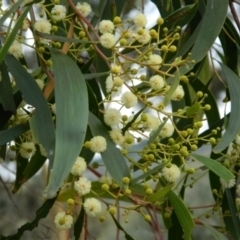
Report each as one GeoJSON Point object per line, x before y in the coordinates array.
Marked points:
{"type": "Point", "coordinates": [82, 186]}
{"type": "Point", "coordinates": [43, 25]}
{"type": "Point", "coordinates": [92, 207]}
{"type": "Point", "coordinates": [156, 82]}
{"type": "Point", "coordinates": [79, 166]}
{"type": "Point", "coordinates": [27, 149]}
{"type": "Point", "coordinates": [152, 122]}
{"type": "Point", "coordinates": [116, 136]}
{"type": "Point", "coordinates": [106, 26]}
{"type": "Point", "coordinates": [167, 130]}
{"type": "Point", "coordinates": [171, 174]}
{"type": "Point", "coordinates": [63, 220]}
{"type": "Point", "coordinates": [228, 184]}
{"type": "Point", "coordinates": [108, 40]}
{"type": "Point", "coordinates": [98, 144]}
{"type": "Point", "coordinates": [84, 8]}
{"type": "Point", "coordinates": [58, 12]}
{"type": "Point", "coordinates": [129, 100]}
{"type": "Point", "coordinates": [178, 93]}
{"type": "Point", "coordinates": [112, 117]}
{"type": "Point", "coordinates": [154, 61]}
{"type": "Point", "coordinates": [16, 49]}
{"type": "Point", "coordinates": [140, 20]}
{"type": "Point", "coordinates": [144, 37]}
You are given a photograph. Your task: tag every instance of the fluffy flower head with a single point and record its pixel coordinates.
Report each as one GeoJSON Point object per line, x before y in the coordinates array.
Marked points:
{"type": "Point", "coordinates": [129, 100]}
{"type": "Point", "coordinates": [107, 40]}
{"type": "Point", "coordinates": [144, 37]}
{"type": "Point", "coordinates": [167, 130]}
{"type": "Point", "coordinates": [92, 207]}
{"type": "Point", "coordinates": [152, 122]}
{"type": "Point", "coordinates": [63, 221]}
{"type": "Point", "coordinates": [228, 184]}
{"type": "Point", "coordinates": [140, 20]}
{"type": "Point", "coordinates": [178, 94]}
{"type": "Point", "coordinates": [106, 26]}
{"type": "Point", "coordinates": [43, 25]}
{"type": "Point", "coordinates": [117, 136]}
{"type": "Point", "coordinates": [98, 144]}
{"type": "Point", "coordinates": [156, 82]}
{"type": "Point", "coordinates": [27, 149]}
{"type": "Point", "coordinates": [172, 173]}
{"type": "Point", "coordinates": [112, 117]}
{"type": "Point", "coordinates": [82, 186]}
{"type": "Point", "coordinates": [79, 166]}
{"type": "Point", "coordinates": [128, 141]}
{"type": "Point", "coordinates": [154, 61]}
{"type": "Point", "coordinates": [16, 49]}
{"type": "Point", "coordinates": [84, 8]}
{"type": "Point", "coordinates": [58, 12]}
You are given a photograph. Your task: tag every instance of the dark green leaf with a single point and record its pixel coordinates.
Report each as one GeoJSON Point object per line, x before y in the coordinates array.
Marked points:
{"type": "Point", "coordinates": [9, 134]}
{"type": "Point", "coordinates": [232, 222]}
{"type": "Point", "coordinates": [72, 114]}
{"type": "Point", "coordinates": [127, 236]}
{"type": "Point", "coordinates": [6, 94]}
{"type": "Point", "coordinates": [182, 214]}
{"type": "Point", "coordinates": [79, 224]}
{"type": "Point", "coordinates": [112, 157]}
{"type": "Point", "coordinates": [233, 126]}
{"type": "Point", "coordinates": [34, 165]}
{"type": "Point", "coordinates": [214, 166]}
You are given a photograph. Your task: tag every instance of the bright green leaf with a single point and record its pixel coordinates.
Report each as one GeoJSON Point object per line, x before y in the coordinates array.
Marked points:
{"type": "Point", "coordinates": [182, 213]}
{"type": "Point", "coordinates": [72, 114]}
{"type": "Point", "coordinates": [214, 166]}
{"type": "Point", "coordinates": [160, 193]}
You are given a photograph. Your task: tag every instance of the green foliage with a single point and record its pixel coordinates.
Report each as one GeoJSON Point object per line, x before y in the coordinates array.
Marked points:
{"type": "Point", "coordinates": [130, 105]}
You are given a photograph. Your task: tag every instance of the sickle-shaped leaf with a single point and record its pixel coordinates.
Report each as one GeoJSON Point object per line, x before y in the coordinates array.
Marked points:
{"type": "Point", "coordinates": [71, 99]}
{"type": "Point", "coordinates": [41, 122]}
{"type": "Point", "coordinates": [233, 126]}
{"type": "Point", "coordinates": [214, 166]}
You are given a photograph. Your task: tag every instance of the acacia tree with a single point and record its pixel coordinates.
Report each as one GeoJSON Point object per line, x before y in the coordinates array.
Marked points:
{"type": "Point", "coordinates": [108, 85]}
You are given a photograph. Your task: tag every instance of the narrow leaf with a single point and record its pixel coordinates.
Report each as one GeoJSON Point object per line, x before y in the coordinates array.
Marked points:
{"type": "Point", "coordinates": [6, 94]}
{"type": "Point", "coordinates": [156, 133]}
{"type": "Point", "coordinates": [41, 122]}
{"type": "Point", "coordinates": [79, 224]}
{"type": "Point", "coordinates": [11, 10]}
{"type": "Point", "coordinates": [214, 166]}
{"type": "Point", "coordinates": [182, 214]}
{"type": "Point", "coordinates": [9, 134]}
{"type": "Point", "coordinates": [215, 233]}
{"type": "Point", "coordinates": [71, 113]}
{"type": "Point", "coordinates": [112, 157]}
{"type": "Point", "coordinates": [127, 236]}
{"type": "Point", "coordinates": [233, 126]}
{"type": "Point", "coordinates": [13, 33]}
{"type": "Point", "coordinates": [160, 193]}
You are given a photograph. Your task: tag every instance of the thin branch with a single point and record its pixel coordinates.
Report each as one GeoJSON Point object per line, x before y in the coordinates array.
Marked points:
{"type": "Point", "coordinates": [234, 13]}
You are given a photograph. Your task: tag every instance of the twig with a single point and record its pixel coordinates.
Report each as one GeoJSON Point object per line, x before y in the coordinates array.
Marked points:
{"type": "Point", "coordinates": [234, 13]}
